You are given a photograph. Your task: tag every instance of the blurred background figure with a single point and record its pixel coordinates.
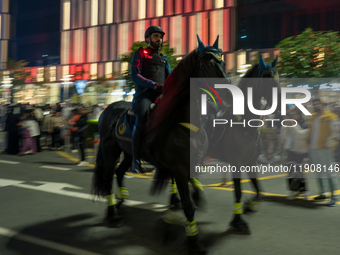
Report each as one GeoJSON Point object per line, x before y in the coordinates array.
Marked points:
{"type": "Point", "coordinates": [39, 116]}
{"type": "Point", "coordinates": [75, 116]}
{"type": "Point", "coordinates": [80, 133]}
{"type": "Point", "coordinates": [29, 131]}
{"type": "Point", "coordinates": [55, 126]}
{"type": "Point", "coordinates": [270, 151]}
{"type": "Point", "coordinates": [295, 142]}
{"type": "Point", "coordinates": [97, 111]}
{"type": "Point", "coordinates": [323, 139]}
{"type": "Point", "coordinates": [45, 127]}
{"type": "Point", "coordinates": [12, 129]}
{"type": "Point", "coordinates": [337, 150]}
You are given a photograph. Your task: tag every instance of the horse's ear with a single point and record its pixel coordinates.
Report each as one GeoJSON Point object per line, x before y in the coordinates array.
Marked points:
{"type": "Point", "coordinates": [262, 64]}
{"type": "Point", "coordinates": [275, 61]}
{"type": "Point", "coordinates": [201, 45]}
{"type": "Point", "coordinates": [216, 42]}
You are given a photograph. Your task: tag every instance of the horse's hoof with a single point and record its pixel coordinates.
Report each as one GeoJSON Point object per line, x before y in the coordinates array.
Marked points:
{"type": "Point", "coordinates": [251, 206]}
{"type": "Point", "coordinates": [119, 203]}
{"type": "Point", "coordinates": [163, 234]}
{"type": "Point", "coordinates": [239, 227]}
{"type": "Point", "coordinates": [195, 247]}
{"type": "Point", "coordinates": [115, 221]}
{"type": "Point", "coordinates": [241, 230]}
{"type": "Point", "coordinates": [246, 208]}
{"type": "Point", "coordinates": [174, 217]}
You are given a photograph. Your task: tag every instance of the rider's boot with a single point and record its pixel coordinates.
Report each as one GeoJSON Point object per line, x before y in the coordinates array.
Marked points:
{"type": "Point", "coordinates": [136, 148]}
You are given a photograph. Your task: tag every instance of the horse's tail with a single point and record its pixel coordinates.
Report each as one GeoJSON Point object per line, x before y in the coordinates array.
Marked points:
{"type": "Point", "coordinates": [162, 176]}
{"type": "Point", "coordinates": [102, 177]}
{"type": "Point", "coordinates": [99, 177]}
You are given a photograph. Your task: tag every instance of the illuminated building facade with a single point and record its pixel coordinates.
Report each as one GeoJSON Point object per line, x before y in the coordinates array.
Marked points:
{"type": "Point", "coordinates": [95, 33]}
{"type": "Point", "coordinates": [5, 32]}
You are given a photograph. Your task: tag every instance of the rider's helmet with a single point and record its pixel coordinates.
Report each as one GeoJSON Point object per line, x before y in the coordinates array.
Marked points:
{"type": "Point", "coordinates": [153, 29]}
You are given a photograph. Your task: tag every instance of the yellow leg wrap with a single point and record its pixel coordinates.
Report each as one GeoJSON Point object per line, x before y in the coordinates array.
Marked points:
{"type": "Point", "coordinates": [123, 193]}
{"type": "Point", "coordinates": [196, 183]}
{"type": "Point", "coordinates": [111, 200]}
{"type": "Point", "coordinates": [173, 188]}
{"type": "Point", "coordinates": [191, 228]}
{"type": "Point", "coordinates": [238, 208]}
{"type": "Point", "coordinates": [254, 205]}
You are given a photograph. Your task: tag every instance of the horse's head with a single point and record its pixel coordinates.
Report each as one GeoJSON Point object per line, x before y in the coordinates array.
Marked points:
{"type": "Point", "coordinates": [266, 78]}
{"type": "Point", "coordinates": [210, 63]}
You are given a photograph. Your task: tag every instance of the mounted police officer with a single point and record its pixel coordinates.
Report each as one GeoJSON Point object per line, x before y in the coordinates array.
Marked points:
{"type": "Point", "coordinates": [149, 69]}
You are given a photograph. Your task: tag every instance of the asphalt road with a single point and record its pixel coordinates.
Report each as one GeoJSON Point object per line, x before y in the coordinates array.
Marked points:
{"type": "Point", "coordinates": [46, 208]}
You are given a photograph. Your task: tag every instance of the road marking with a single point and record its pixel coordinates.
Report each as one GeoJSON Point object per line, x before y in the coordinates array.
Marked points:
{"type": "Point", "coordinates": [9, 162]}
{"type": "Point", "coordinates": [210, 186]}
{"type": "Point", "coordinates": [56, 168]}
{"type": "Point", "coordinates": [58, 188]}
{"type": "Point", "coordinates": [89, 157]}
{"type": "Point", "coordinates": [65, 155]}
{"type": "Point", "coordinates": [45, 243]}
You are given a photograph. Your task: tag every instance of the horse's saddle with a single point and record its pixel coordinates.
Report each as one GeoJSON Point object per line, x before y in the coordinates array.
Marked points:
{"type": "Point", "coordinates": [125, 125]}
{"type": "Point", "coordinates": [126, 122]}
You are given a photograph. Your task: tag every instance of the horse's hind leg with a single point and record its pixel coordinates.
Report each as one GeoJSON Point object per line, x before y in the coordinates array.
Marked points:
{"type": "Point", "coordinates": [120, 172]}
{"type": "Point", "coordinates": [238, 224]}
{"type": "Point", "coordinates": [111, 152]}
{"type": "Point", "coordinates": [175, 202]}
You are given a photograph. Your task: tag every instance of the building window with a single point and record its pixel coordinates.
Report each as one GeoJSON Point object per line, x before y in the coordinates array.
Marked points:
{"type": "Point", "coordinates": [241, 59]}
{"type": "Point", "coordinates": [109, 11]}
{"type": "Point", "coordinates": [141, 9]}
{"type": "Point", "coordinates": [159, 8]}
{"type": "Point", "coordinates": [40, 75]}
{"type": "Point", "coordinates": [94, 12]}
{"type": "Point", "coordinates": [53, 73]}
{"type": "Point", "coordinates": [92, 49]}
{"type": "Point", "coordinates": [66, 15]}
{"type": "Point", "coordinates": [219, 3]}
{"type": "Point", "coordinates": [93, 71]}
{"type": "Point", "coordinates": [123, 39]}
{"type": "Point", "coordinates": [65, 47]}
{"type": "Point", "coordinates": [124, 67]}
{"type": "Point", "coordinates": [108, 69]}
{"type": "Point", "coordinates": [66, 70]}
{"type": "Point", "coordinates": [176, 34]}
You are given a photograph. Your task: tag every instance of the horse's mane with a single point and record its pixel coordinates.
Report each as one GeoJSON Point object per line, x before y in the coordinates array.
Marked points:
{"type": "Point", "coordinates": [251, 73]}
{"type": "Point", "coordinates": [175, 91]}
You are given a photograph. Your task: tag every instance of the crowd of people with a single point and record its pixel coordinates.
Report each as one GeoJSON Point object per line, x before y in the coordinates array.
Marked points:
{"type": "Point", "coordinates": [312, 140]}
{"type": "Point", "coordinates": [26, 127]}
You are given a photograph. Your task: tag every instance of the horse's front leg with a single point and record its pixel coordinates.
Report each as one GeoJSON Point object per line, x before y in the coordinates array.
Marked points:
{"type": "Point", "coordinates": [182, 180]}
{"type": "Point", "coordinates": [253, 205]}
{"type": "Point", "coordinates": [238, 224]}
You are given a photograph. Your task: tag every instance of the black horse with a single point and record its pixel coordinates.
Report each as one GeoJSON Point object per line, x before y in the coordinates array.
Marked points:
{"type": "Point", "coordinates": [241, 145]}
{"type": "Point", "coordinates": [166, 140]}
